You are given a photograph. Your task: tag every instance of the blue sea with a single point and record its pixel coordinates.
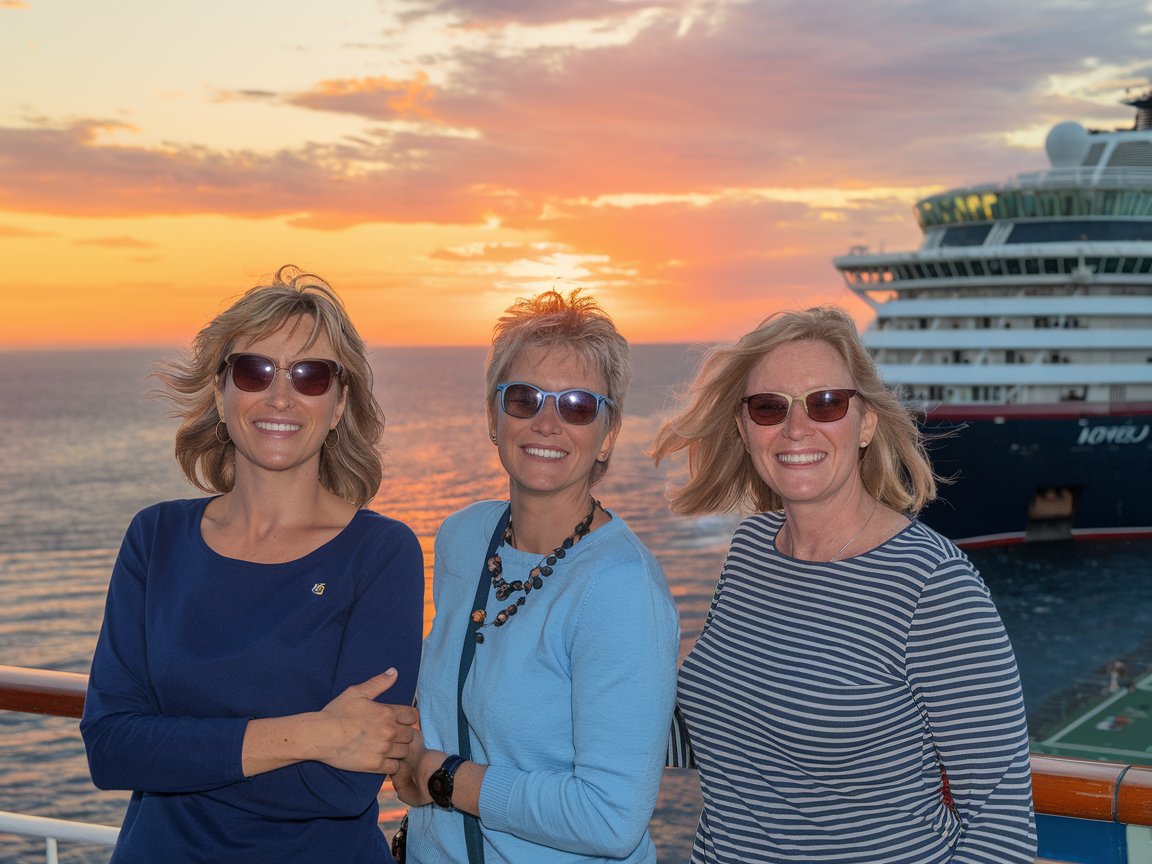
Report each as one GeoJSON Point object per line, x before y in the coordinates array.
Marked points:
{"type": "Point", "coordinates": [84, 447]}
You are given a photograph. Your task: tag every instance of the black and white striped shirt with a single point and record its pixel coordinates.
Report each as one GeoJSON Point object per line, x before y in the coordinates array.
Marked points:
{"type": "Point", "coordinates": [823, 699]}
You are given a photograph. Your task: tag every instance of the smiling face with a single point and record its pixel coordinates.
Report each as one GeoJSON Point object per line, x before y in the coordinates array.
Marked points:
{"type": "Point", "coordinates": [804, 460]}
{"type": "Point", "coordinates": [543, 454]}
{"type": "Point", "coordinates": [279, 429]}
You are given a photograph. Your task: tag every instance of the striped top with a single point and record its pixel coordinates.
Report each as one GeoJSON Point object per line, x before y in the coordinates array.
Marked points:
{"type": "Point", "coordinates": [823, 698]}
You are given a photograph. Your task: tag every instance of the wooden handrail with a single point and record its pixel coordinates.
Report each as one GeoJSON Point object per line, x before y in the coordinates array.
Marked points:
{"type": "Point", "coordinates": [1111, 791]}
{"type": "Point", "coordinates": [1107, 791]}
{"type": "Point", "coordinates": [42, 691]}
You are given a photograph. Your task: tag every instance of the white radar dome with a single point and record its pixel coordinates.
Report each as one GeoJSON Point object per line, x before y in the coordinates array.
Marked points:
{"type": "Point", "coordinates": [1067, 144]}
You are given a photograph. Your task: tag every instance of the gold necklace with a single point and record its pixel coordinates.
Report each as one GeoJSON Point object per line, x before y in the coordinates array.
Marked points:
{"type": "Point", "coordinates": [836, 555]}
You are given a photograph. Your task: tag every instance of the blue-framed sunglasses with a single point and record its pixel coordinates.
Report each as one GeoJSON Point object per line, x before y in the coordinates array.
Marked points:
{"type": "Point", "coordinates": [575, 407]}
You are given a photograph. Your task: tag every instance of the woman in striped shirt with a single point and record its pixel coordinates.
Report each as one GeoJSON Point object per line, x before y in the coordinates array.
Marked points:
{"type": "Point", "coordinates": [853, 696]}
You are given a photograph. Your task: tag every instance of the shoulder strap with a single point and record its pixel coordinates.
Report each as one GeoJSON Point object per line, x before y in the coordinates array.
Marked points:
{"type": "Point", "coordinates": [472, 835]}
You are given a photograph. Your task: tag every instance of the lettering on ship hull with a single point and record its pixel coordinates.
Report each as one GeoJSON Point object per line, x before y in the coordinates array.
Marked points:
{"type": "Point", "coordinates": [1092, 435]}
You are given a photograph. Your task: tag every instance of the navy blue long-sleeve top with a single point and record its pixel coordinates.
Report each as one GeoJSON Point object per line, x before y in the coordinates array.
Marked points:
{"type": "Point", "coordinates": [194, 644]}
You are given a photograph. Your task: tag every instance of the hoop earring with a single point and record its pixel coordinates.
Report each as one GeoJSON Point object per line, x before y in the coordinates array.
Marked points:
{"type": "Point", "coordinates": [226, 437]}
{"type": "Point", "coordinates": [328, 444]}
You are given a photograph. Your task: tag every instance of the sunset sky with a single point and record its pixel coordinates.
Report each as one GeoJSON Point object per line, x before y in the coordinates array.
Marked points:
{"type": "Point", "coordinates": [695, 164]}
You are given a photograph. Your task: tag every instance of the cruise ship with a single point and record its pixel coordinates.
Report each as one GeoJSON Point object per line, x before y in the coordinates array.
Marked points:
{"type": "Point", "coordinates": [1021, 331]}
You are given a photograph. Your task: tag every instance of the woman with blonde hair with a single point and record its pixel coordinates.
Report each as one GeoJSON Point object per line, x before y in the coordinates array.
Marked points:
{"type": "Point", "coordinates": [549, 673]}
{"type": "Point", "coordinates": [247, 634]}
{"type": "Point", "coordinates": [853, 696]}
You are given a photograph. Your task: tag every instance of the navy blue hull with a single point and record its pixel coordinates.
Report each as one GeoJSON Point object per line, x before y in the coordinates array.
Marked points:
{"type": "Point", "coordinates": [1040, 477]}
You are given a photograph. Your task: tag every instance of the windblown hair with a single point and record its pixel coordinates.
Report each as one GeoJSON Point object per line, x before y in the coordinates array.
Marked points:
{"type": "Point", "coordinates": [350, 467]}
{"type": "Point", "coordinates": [551, 320]}
{"type": "Point", "coordinates": [894, 467]}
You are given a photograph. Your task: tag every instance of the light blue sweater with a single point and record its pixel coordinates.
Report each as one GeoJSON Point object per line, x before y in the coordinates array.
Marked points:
{"type": "Point", "coordinates": [569, 703]}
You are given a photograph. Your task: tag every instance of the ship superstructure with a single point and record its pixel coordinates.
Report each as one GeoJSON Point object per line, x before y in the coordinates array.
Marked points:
{"type": "Point", "coordinates": [1023, 325]}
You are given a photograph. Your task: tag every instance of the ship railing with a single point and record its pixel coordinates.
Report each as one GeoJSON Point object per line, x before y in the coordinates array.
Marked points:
{"type": "Point", "coordinates": [59, 694]}
{"type": "Point", "coordinates": [1119, 178]}
{"type": "Point", "coordinates": [1109, 795]}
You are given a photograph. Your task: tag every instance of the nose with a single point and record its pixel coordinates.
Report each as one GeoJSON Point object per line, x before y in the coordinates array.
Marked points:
{"type": "Point", "coordinates": [281, 391]}
{"type": "Point", "coordinates": [547, 419]}
{"type": "Point", "coordinates": [796, 424]}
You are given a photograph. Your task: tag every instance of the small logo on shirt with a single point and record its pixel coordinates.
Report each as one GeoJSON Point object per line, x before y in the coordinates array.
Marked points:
{"type": "Point", "coordinates": [318, 588]}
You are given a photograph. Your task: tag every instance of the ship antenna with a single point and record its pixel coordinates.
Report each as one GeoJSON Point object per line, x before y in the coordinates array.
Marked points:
{"type": "Point", "coordinates": [1143, 106]}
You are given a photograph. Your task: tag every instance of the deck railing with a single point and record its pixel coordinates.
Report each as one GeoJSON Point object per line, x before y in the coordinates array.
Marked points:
{"type": "Point", "coordinates": [1105, 792]}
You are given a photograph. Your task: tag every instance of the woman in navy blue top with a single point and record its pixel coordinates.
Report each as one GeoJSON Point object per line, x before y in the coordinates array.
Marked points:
{"type": "Point", "coordinates": [247, 635]}
{"type": "Point", "coordinates": [853, 696]}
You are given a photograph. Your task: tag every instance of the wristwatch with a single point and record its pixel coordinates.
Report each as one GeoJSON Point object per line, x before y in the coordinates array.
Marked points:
{"type": "Point", "coordinates": [442, 781]}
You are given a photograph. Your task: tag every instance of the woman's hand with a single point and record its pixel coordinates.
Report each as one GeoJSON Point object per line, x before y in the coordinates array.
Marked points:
{"type": "Point", "coordinates": [351, 733]}
{"type": "Point", "coordinates": [411, 780]}
{"type": "Point", "coordinates": [367, 735]}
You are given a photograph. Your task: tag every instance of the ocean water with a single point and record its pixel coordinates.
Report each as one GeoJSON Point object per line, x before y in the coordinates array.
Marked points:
{"type": "Point", "coordinates": [83, 447]}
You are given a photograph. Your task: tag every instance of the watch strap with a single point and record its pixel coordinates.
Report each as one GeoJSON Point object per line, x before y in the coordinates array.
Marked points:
{"type": "Point", "coordinates": [442, 781]}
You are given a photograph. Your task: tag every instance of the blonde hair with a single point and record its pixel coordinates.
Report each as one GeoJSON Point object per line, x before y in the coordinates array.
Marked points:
{"type": "Point", "coordinates": [551, 320]}
{"type": "Point", "coordinates": [349, 467]}
{"type": "Point", "coordinates": [894, 467]}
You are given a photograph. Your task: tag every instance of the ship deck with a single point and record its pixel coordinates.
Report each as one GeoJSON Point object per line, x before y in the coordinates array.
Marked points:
{"type": "Point", "coordinates": [1118, 728]}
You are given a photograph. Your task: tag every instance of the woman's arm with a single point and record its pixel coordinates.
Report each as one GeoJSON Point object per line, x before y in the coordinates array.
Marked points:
{"type": "Point", "coordinates": [132, 745]}
{"type": "Point", "coordinates": [129, 742]}
{"type": "Point", "coordinates": [962, 669]}
{"type": "Point", "coordinates": [330, 763]}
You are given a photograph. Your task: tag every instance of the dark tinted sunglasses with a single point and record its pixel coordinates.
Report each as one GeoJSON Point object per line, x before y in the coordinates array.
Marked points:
{"type": "Point", "coordinates": [253, 373]}
{"type": "Point", "coordinates": [575, 407]}
{"type": "Point", "coordinates": [823, 405]}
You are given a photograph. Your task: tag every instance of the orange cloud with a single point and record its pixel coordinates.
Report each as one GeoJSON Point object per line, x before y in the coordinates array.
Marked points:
{"type": "Point", "coordinates": [377, 98]}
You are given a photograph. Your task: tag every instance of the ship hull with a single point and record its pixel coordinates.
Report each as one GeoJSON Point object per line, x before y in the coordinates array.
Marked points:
{"type": "Point", "coordinates": [1042, 473]}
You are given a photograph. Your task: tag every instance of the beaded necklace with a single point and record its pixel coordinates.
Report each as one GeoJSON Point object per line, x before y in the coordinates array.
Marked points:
{"type": "Point", "coordinates": [536, 575]}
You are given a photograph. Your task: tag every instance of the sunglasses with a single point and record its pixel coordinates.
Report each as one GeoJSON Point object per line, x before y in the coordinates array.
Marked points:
{"type": "Point", "coordinates": [575, 407]}
{"type": "Point", "coordinates": [822, 405]}
{"type": "Point", "coordinates": [253, 373]}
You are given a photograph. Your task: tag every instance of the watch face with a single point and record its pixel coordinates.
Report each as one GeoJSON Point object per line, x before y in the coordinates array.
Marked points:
{"type": "Point", "coordinates": [440, 787]}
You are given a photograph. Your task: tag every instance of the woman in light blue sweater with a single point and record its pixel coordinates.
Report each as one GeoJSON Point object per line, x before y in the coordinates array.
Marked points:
{"type": "Point", "coordinates": [566, 702]}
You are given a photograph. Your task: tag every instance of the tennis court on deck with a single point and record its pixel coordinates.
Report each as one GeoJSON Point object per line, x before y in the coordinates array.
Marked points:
{"type": "Point", "coordinates": [1118, 728]}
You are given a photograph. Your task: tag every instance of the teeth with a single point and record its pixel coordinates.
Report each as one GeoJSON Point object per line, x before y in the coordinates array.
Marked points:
{"type": "Point", "coordinates": [541, 453]}
{"type": "Point", "coordinates": [800, 458]}
{"type": "Point", "coordinates": [278, 427]}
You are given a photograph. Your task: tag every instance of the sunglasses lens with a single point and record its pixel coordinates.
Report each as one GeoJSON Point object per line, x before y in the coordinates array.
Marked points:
{"type": "Point", "coordinates": [311, 377]}
{"type": "Point", "coordinates": [577, 407]}
{"type": "Point", "coordinates": [767, 409]}
{"type": "Point", "coordinates": [824, 406]}
{"type": "Point", "coordinates": [252, 373]}
{"type": "Point", "coordinates": [521, 400]}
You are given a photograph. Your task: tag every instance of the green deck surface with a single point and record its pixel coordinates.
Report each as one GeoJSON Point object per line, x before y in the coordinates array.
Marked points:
{"type": "Point", "coordinates": [1118, 728]}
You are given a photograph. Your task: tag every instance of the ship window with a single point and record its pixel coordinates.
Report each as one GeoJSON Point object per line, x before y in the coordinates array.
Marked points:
{"type": "Point", "coordinates": [1069, 230]}
{"type": "Point", "coordinates": [978, 268]}
{"type": "Point", "coordinates": [1013, 266]}
{"type": "Point", "coordinates": [965, 235]}
{"type": "Point", "coordinates": [1051, 265]}
{"type": "Point", "coordinates": [1111, 265]}
{"type": "Point", "coordinates": [1129, 266]}
{"type": "Point", "coordinates": [1032, 266]}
